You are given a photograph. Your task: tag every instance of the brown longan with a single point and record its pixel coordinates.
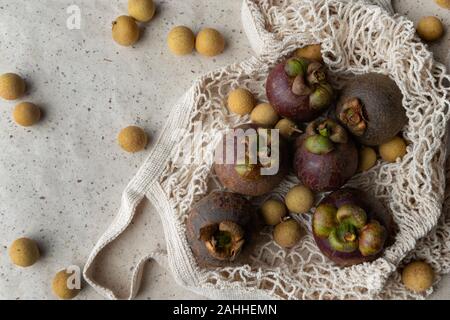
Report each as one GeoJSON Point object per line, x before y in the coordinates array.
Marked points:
{"type": "Point", "coordinates": [133, 139]}
{"type": "Point", "coordinates": [443, 3]}
{"type": "Point", "coordinates": [310, 52]}
{"type": "Point", "coordinates": [393, 149]}
{"type": "Point", "coordinates": [273, 211]}
{"type": "Point", "coordinates": [418, 276]}
{"type": "Point", "coordinates": [367, 159]}
{"type": "Point", "coordinates": [60, 286]}
{"type": "Point", "coordinates": [287, 128]}
{"type": "Point", "coordinates": [264, 115]}
{"type": "Point", "coordinates": [287, 234]}
{"type": "Point", "coordinates": [26, 114]}
{"type": "Point", "coordinates": [299, 199]}
{"type": "Point", "coordinates": [241, 101]}
{"type": "Point", "coordinates": [209, 42]}
{"type": "Point", "coordinates": [24, 252]}
{"type": "Point", "coordinates": [125, 31]}
{"type": "Point", "coordinates": [141, 10]}
{"type": "Point", "coordinates": [181, 40]}
{"type": "Point", "coordinates": [430, 28]}
{"type": "Point", "coordinates": [12, 86]}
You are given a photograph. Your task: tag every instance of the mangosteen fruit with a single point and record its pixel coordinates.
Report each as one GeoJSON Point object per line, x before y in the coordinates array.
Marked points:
{"type": "Point", "coordinates": [251, 160]}
{"type": "Point", "coordinates": [218, 228]}
{"type": "Point", "coordinates": [298, 89]}
{"type": "Point", "coordinates": [326, 157]}
{"type": "Point", "coordinates": [370, 107]}
{"type": "Point", "coordinates": [350, 227]}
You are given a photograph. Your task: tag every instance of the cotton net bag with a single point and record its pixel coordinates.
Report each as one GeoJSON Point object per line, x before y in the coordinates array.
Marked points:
{"type": "Point", "coordinates": [357, 37]}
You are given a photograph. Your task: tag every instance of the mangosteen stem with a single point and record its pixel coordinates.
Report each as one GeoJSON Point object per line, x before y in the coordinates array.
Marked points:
{"type": "Point", "coordinates": [352, 115]}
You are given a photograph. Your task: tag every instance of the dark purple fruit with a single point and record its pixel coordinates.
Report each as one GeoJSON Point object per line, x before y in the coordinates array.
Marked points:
{"type": "Point", "coordinates": [247, 176]}
{"type": "Point", "coordinates": [326, 157]}
{"type": "Point", "coordinates": [351, 228]}
{"type": "Point", "coordinates": [298, 89]}
{"type": "Point", "coordinates": [370, 107]}
{"type": "Point", "coordinates": [219, 227]}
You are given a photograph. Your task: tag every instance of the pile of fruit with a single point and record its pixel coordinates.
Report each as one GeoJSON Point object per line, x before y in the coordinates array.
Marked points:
{"type": "Point", "coordinates": [327, 137]}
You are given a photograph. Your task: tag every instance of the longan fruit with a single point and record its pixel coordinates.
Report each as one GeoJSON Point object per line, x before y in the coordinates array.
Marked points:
{"type": "Point", "coordinates": [59, 286]}
{"type": "Point", "coordinates": [299, 199]}
{"type": "Point", "coordinates": [443, 3]}
{"type": "Point", "coordinates": [311, 52]}
{"type": "Point", "coordinates": [26, 114]}
{"type": "Point", "coordinates": [12, 86]}
{"type": "Point", "coordinates": [286, 127]}
{"type": "Point", "coordinates": [392, 150]}
{"type": "Point", "coordinates": [181, 40]}
{"type": "Point", "coordinates": [287, 234]}
{"type": "Point", "coordinates": [264, 115]}
{"type": "Point", "coordinates": [133, 139]}
{"type": "Point", "coordinates": [367, 159]}
{"type": "Point", "coordinates": [241, 101]}
{"type": "Point", "coordinates": [418, 276]}
{"type": "Point", "coordinates": [141, 10]}
{"type": "Point", "coordinates": [273, 211]}
{"type": "Point", "coordinates": [430, 28]}
{"type": "Point", "coordinates": [24, 252]}
{"type": "Point", "coordinates": [125, 31]}
{"type": "Point", "coordinates": [209, 42]}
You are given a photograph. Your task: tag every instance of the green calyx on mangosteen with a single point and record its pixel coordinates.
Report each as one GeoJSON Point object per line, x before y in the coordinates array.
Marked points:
{"type": "Point", "coordinates": [220, 227]}
{"type": "Point", "coordinates": [298, 89]}
{"type": "Point", "coordinates": [370, 107]}
{"type": "Point", "coordinates": [350, 228]}
{"type": "Point", "coordinates": [260, 160]}
{"type": "Point", "coordinates": [325, 157]}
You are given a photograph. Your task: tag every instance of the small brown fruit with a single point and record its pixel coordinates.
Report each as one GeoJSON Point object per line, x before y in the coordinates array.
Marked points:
{"type": "Point", "coordinates": [311, 52]}
{"type": "Point", "coordinates": [133, 139]}
{"type": "Point", "coordinates": [12, 86]}
{"type": "Point", "coordinates": [443, 3]}
{"type": "Point", "coordinates": [418, 276]}
{"type": "Point", "coordinates": [430, 29]}
{"type": "Point", "coordinates": [367, 159]}
{"type": "Point", "coordinates": [181, 41]}
{"type": "Point", "coordinates": [26, 114]}
{"type": "Point", "coordinates": [241, 101]}
{"type": "Point", "coordinates": [24, 252]}
{"type": "Point", "coordinates": [273, 211]}
{"type": "Point", "coordinates": [264, 115]}
{"type": "Point", "coordinates": [60, 286]}
{"type": "Point", "coordinates": [288, 233]}
{"type": "Point", "coordinates": [299, 199]}
{"type": "Point", "coordinates": [125, 31]}
{"type": "Point", "coordinates": [392, 150]}
{"type": "Point", "coordinates": [209, 42]}
{"type": "Point", "coordinates": [141, 10]}
{"type": "Point", "coordinates": [287, 128]}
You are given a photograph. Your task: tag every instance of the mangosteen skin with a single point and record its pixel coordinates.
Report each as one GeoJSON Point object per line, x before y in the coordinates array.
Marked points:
{"type": "Point", "coordinates": [230, 178]}
{"type": "Point", "coordinates": [383, 111]}
{"type": "Point", "coordinates": [284, 101]}
{"type": "Point", "coordinates": [326, 172]}
{"type": "Point", "coordinates": [215, 208]}
{"type": "Point", "coordinates": [374, 210]}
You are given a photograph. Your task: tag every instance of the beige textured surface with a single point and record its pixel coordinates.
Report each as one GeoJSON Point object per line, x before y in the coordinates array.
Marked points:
{"type": "Point", "coordinates": [84, 111]}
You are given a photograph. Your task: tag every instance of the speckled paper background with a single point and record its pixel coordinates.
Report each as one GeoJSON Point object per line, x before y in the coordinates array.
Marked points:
{"type": "Point", "coordinates": [61, 181]}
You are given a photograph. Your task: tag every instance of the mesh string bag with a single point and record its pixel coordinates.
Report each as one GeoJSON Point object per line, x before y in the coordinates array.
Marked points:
{"type": "Point", "coordinates": [357, 37]}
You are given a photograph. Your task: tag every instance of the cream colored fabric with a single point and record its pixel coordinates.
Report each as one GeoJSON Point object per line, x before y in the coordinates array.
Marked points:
{"type": "Point", "coordinates": [357, 37]}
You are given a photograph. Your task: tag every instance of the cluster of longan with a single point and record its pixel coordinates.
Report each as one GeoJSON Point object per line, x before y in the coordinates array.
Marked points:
{"type": "Point", "coordinates": [182, 41]}
{"type": "Point", "coordinates": [12, 87]}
